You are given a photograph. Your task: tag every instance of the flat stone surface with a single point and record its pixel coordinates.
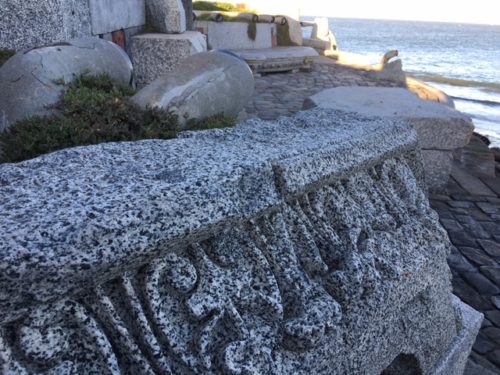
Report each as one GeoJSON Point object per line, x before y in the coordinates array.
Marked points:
{"type": "Point", "coordinates": [439, 127]}
{"type": "Point", "coordinates": [234, 35]}
{"type": "Point", "coordinates": [276, 53]}
{"type": "Point", "coordinates": [154, 55]}
{"type": "Point", "coordinates": [110, 15]}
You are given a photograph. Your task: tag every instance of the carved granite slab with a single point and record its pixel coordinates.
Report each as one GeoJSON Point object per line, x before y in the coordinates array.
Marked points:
{"type": "Point", "coordinates": [304, 246]}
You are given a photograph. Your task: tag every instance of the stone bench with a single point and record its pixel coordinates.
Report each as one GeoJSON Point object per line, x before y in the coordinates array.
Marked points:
{"type": "Point", "coordinates": [302, 246]}
{"type": "Point", "coordinates": [440, 129]}
{"type": "Point", "coordinates": [278, 59]}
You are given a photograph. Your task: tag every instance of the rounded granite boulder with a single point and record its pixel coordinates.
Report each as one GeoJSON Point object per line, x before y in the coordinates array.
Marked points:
{"type": "Point", "coordinates": [204, 85]}
{"type": "Point", "coordinates": [31, 80]}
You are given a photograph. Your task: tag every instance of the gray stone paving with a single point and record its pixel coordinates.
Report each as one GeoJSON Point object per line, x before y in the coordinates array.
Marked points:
{"type": "Point", "coordinates": [470, 210]}
{"type": "Point", "coordinates": [283, 94]}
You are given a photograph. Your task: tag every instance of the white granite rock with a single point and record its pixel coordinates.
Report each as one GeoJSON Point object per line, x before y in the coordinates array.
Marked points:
{"type": "Point", "coordinates": [204, 85]}
{"type": "Point", "coordinates": [439, 127]}
{"type": "Point", "coordinates": [301, 246]}
{"type": "Point", "coordinates": [154, 54]}
{"type": "Point", "coordinates": [30, 80]}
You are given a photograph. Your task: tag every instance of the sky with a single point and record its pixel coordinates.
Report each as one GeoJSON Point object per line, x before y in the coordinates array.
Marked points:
{"type": "Point", "coordinates": [477, 11]}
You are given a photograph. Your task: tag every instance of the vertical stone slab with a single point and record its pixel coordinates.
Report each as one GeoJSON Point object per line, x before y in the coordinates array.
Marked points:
{"type": "Point", "coordinates": [34, 23]}
{"type": "Point", "coordinates": [111, 15]}
{"type": "Point", "coordinates": [188, 9]}
{"type": "Point", "coordinates": [166, 16]}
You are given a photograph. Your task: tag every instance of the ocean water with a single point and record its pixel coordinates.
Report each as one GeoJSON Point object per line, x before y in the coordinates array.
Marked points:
{"type": "Point", "coordinates": [463, 60]}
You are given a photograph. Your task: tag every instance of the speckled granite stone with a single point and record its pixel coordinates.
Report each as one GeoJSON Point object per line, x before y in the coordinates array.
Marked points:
{"type": "Point", "coordinates": [154, 54]}
{"type": "Point", "coordinates": [34, 23]}
{"type": "Point", "coordinates": [301, 246]}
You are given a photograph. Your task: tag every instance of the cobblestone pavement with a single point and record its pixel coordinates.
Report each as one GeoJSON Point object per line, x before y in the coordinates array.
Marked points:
{"type": "Point", "coordinates": [283, 94]}
{"type": "Point", "coordinates": [470, 210]}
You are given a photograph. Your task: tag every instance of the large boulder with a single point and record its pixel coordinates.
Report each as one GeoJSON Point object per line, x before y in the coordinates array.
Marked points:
{"type": "Point", "coordinates": [31, 81]}
{"type": "Point", "coordinates": [440, 129]}
{"type": "Point", "coordinates": [204, 85]}
{"type": "Point", "coordinates": [166, 16]}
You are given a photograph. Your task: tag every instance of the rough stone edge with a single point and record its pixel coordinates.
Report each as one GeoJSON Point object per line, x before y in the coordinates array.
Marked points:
{"type": "Point", "coordinates": [469, 322]}
{"type": "Point", "coordinates": [264, 175]}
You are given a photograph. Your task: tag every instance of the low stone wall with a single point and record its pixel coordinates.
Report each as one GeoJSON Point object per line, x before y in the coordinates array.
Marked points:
{"type": "Point", "coordinates": [302, 246]}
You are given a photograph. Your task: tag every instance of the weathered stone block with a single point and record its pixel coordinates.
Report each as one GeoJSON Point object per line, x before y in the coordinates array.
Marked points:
{"type": "Point", "coordinates": [440, 128]}
{"type": "Point", "coordinates": [166, 16]}
{"type": "Point", "coordinates": [235, 35]}
{"type": "Point", "coordinates": [154, 55]}
{"type": "Point", "coordinates": [301, 246]}
{"type": "Point", "coordinates": [111, 15]}
{"type": "Point", "coordinates": [278, 59]}
{"type": "Point", "coordinates": [204, 85]}
{"type": "Point", "coordinates": [33, 23]}
{"type": "Point", "coordinates": [30, 80]}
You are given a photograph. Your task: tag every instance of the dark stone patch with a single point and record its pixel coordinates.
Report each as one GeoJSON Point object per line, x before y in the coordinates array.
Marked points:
{"type": "Point", "coordinates": [482, 284]}
{"type": "Point", "coordinates": [460, 238]}
{"type": "Point", "coordinates": [458, 262]}
{"type": "Point", "coordinates": [491, 247]}
{"type": "Point", "coordinates": [494, 317]}
{"type": "Point", "coordinates": [492, 273]}
{"type": "Point", "coordinates": [483, 344]}
{"type": "Point", "coordinates": [477, 256]}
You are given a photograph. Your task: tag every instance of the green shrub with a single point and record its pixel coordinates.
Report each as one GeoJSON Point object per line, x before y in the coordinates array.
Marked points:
{"type": "Point", "coordinates": [6, 54]}
{"type": "Point", "coordinates": [92, 110]}
{"type": "Point", "coordinates": [213, 122]}
{"type": "Point", "coordinates": [214, 6]}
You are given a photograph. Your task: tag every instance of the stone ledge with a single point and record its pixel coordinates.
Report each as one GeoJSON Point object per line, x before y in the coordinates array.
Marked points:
{"type": "Point", "coordinates": [453, 362]}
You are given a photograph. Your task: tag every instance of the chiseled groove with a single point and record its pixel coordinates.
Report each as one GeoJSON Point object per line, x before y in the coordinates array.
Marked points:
{"type": "Point", "coordinates": [148, 280]}
{"type": "Point", "coordinates": [130, 357]}
{"type": "Point", "coordinates": [141, 328]}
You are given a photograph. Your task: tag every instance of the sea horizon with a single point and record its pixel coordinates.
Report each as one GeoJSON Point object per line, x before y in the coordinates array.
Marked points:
{"type": "Point", "coordinates": [458, 58]}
